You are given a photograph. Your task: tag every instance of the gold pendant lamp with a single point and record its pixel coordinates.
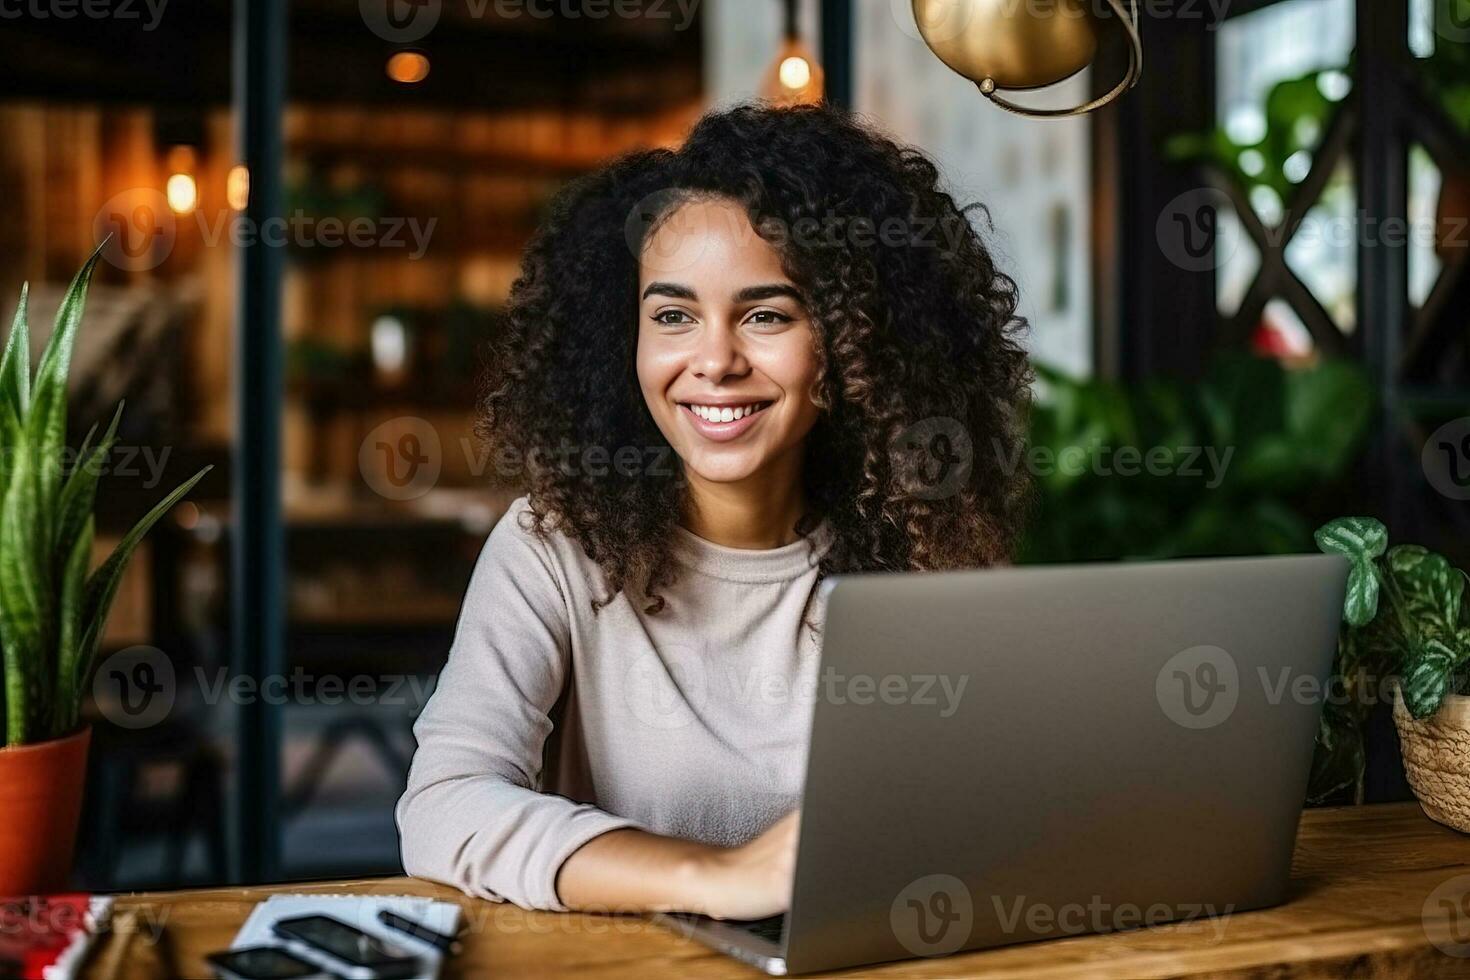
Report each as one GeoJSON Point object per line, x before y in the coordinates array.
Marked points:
{"type": "Point", "coordinates": [1018, 45]}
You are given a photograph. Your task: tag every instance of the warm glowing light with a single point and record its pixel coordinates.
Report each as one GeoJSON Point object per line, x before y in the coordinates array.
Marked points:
{"type": "Point", "coordinates": [794, 77]}
{"type": "Point", "coordinates": [389, 344]}
{"type": "Point", "coordinates": [186, 515]}
{"type": "Point", "coordinates": [182, 193]}
{"type": "Point", "coordinates": [795, 72]}
{"type": "Point", "coordinates": [408, 67]}
{"type": "Point", "coordinates": [237, 187]}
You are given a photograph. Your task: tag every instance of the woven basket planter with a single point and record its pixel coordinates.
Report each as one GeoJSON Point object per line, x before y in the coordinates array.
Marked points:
{"type": "Point", "coordinates": [1436, 754]}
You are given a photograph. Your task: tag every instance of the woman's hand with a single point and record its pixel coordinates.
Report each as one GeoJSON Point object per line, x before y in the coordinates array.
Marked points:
{"type": "Point", "coordinates": [752, 881]}
{"type": "Point", "coordinates": [633, 871]}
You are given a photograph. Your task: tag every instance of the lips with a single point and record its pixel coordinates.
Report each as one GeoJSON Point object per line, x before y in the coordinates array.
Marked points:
{"type": "Point", "coordinates": [702, 419]}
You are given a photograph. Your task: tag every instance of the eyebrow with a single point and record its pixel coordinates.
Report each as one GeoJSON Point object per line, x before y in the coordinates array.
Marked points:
{"type": "Point", "coordinates": [669, 289]}
{"type": "Point", "coordinates": [750, 294]}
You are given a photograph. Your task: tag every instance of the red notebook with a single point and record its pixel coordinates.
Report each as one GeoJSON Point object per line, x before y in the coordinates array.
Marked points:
{"type": "Point", "coordinates": [47, 938]}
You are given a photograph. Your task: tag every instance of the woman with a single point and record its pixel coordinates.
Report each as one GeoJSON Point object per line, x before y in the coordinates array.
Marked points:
{"type": "Point", "coordinates": [729, 371]}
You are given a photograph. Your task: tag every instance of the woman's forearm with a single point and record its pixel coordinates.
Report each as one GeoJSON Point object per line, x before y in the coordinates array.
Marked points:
{"type": "Point", "coordinates": [633, 871]}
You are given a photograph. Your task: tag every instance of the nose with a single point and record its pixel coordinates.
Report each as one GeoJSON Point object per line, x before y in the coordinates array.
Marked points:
{"type": "Point", "coordinates": [719, 356]}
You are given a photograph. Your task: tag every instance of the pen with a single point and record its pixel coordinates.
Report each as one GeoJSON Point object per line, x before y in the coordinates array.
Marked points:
{"type": "Point", "coordinates": [418, 930]}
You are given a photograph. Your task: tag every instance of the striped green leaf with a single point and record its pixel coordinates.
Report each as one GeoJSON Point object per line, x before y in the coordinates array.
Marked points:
{"type": "Point", "coordinates": [23, 594]}
{"type": "Point", "coordinates": [46, 423]}
{"type": "Point", "coordinates": [15, 386]}
{"type": "Point", "coordinates": [69, 640]}
{"type": "Point", "coordinates": [15, 364]}
{"type": "Point", "coordinates": [1432, 588]}
{"type": "Point", "coordinates": [1427, 676]}
{"type": "Point", "coordinates": [102, 585]}
{"type": "Point", "coordinates": [80, 490]}
{"type": "Point", "coordinates": [1360, 540]}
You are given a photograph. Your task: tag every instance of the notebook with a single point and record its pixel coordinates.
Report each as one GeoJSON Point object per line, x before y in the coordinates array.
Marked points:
{"type": "Point", "coordinates": [360, 912]}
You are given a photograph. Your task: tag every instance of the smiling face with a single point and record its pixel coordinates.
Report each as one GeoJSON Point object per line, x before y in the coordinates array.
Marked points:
{"type": "Point", "coordinates": [726, 353]}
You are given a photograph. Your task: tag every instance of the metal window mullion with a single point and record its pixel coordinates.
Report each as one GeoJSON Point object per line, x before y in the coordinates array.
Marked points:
{"type": "Point", "coordinates": [257, 553]}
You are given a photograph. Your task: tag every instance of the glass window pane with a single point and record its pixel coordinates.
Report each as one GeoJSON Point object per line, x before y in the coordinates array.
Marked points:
{"type": "Point", "coordinates": [1324, 251]}
{"type": "Point", "coordinates": [1425, 182]}
{"type": "Point", "coordinates": [1270, 99]}
{"type": "Point", "coordinates": [1240, 266]}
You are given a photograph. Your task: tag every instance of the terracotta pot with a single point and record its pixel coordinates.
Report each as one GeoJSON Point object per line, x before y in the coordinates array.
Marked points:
{"type": "Point", "coordinates": [40, 802]}
{"type": "Point", "coordinates": [1436, 754]}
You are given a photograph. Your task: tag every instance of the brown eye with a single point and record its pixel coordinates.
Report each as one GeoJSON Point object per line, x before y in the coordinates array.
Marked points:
{"type": "Point", "coordinates": [769, 317]}
{"type": "Point", "coordinates": [672, 317]}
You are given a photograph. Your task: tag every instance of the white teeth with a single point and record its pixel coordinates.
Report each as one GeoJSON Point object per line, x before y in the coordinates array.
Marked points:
{"type": "Point", "coordinates": [713, 413]}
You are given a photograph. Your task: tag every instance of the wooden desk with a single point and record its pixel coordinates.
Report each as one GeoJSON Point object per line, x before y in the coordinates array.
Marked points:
{"type": "Point", "coordinates": [1360, 907]}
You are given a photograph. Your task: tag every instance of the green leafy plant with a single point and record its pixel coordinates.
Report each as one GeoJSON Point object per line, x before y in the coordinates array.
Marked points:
{"type": "Point", "coordinates": [1404, 617]}
{"type": "Point", "coordinates": [1297, 111]}
{"type": "Point", "coordinates": [53, 606]}
{"type": "Point", "coordinates": [1229, 464]}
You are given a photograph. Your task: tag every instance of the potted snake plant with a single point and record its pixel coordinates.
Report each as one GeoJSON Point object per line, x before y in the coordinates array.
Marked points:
{"type": "Point", "coordinates": [1405, 633]}
{"type": "Point", "coordinates": [53, 603]}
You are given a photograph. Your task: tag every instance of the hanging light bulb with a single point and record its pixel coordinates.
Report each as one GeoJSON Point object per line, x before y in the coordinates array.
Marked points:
{"type": "Point", "coordinates": [408, 67]}
{"type": "Point", "coordinates": [180, 190]}
{"type": "Point", "coordinates": [794, 73]}
{"type": "Point", "coordinates": [1000, 44]}
{"type": "Point", "coordinates": [237, 187]}
{"type": "Point", "coordinates": [794, 77]}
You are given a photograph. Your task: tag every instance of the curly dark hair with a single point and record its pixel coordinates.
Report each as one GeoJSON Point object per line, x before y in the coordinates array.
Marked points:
{"type": "Point", "coordinates": [916, 331]}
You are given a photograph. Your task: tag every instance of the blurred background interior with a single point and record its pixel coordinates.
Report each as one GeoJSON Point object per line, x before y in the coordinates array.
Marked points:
{"type": "Point", "coordinates": [1323, 362]}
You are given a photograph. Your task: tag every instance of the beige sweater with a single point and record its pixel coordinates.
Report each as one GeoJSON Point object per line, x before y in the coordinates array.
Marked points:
{"type": "Point", "coordinates": [551, 725]}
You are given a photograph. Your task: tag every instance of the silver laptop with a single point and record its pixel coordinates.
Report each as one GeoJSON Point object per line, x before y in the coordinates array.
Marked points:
{"type": "Point", "coordinates": [1012, 755]}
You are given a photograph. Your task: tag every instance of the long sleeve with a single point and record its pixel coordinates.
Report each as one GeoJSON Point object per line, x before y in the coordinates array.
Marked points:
{"type": "Point", "coordinates": [471, 815]}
